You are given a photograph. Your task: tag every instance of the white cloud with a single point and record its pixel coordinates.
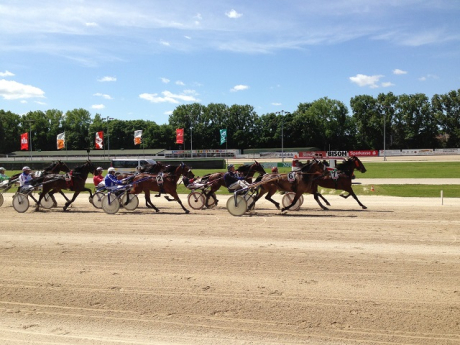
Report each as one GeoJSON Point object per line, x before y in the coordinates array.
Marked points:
{"type": "Point", "coordinates": [233, 14]}
{"type": "Point", "coordinates": [10, 89]}
{"type": "Point", "coordinates": [165, 80]}
{"type": "Point", "coordinates": [98, 106]}
{"type": "Point", "coordinates": [277, 104]}
{"type": "Point", "coordinates": [167, 97]}
{"type": "Point", "coordinates": [366, 80]}
{"type": "Point", "coordinates": [399, 71]}
{"type": "Point", "coordinates": [91, 24]}
{"type": "Point", "coordinates": [169, 112]}
{"type": "Point", "coordinates": [387, 84]}
{"type": "Point", "coordinates": [6, 74]}
{"type": "Point", "coordinates": [102, 95]}
{"type": "Point", "coordinates": [428, 76]}
{"type": "Point", "coordinates": [107, 79]}
{"type": "Point", "coordinates": [167, 44]}
{"type": "Point", "coordinates": [181, 83]}
{"type": "Point", "coordinates": [188, 37]}
{"type": "Point", "coordinates": [239, 88]}
{"type": "Point", "coordinates": [41, 103]}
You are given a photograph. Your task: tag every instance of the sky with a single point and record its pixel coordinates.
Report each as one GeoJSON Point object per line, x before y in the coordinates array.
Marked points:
{"type": "Point", "coordinates": [140, 59]}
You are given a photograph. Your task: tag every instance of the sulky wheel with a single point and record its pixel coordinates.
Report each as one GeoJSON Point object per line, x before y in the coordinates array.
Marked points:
{"type": "Point", "coordinates": [133, 201]}
{"type": "Point", "coordinates": [249, 201]}
{"type": "Point", "coordinates": [1, 199]}
{"type": "Point", "coordinates": [239, 208]}
{"type": "Point", "coordinates": [97, 199]}
{"type": "Point", "coordinates": [196, 200]}
{"type": "Point", "coordinates": [47, 202]}
{"type": "Point", "coordinates": [287, 200]}
{"type": "Point", "coordinates": [20, 202]}
{"type": "Point", "coordinates": [110, 204]}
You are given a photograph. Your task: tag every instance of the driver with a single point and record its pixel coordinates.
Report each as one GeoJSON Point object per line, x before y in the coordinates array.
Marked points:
{"type": "Point", "coordinates": [24, 180]}
{"type": "Point", "coordinates": [111, 181]}
{"type": "Point", "coordinates": [3, 177]}
{"type": "Point", "coordinates": [233, 181]}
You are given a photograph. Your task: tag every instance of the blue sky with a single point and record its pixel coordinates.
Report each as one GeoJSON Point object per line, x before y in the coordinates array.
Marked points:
{"type": "Point", "coordinates": [140, 59]}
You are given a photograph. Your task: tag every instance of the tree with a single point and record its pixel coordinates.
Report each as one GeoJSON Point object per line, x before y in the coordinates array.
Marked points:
{"type": "Point", "coordinates": [446, 109]}
{"type": "Point", "coordinates": [76, 124]}
{"type": "Point", "coordinates": [10, 131]}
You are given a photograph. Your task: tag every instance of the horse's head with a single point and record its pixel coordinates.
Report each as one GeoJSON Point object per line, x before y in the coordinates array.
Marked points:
{"type": "Point", "coordinates": [184, 170]}
{"type": "Point", "coordinates": [358, 165]}
{"type": "Point", "coordinates": [61, 166]}
{"type": "Point", "coordinates": [257, 167]}
{"type": "Point", "coordinates": [88, 167]}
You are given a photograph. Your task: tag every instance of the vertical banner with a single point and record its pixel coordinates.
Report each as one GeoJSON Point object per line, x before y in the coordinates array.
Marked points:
{"type": "Point", "coordinates": [60, 141]}
{"type": "Point", "coordinates": [223, 136]}
{"type": "Point", "coordinates": [137, 137]}
{"type": "Point", "coordinates": [99, 141]}
{"type": "Point", "coordinates": [25, 141]}
{"type": "Point", "coordinates": [179, 136]}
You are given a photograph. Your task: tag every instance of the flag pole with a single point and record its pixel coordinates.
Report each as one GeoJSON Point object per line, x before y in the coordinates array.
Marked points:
{"type": "Point", "coordinates": [226, 145]}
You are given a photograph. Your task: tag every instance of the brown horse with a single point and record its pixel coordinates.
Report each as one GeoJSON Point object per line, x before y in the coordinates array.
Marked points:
{"type": "Point", "coordinates": [76, 183]}
{"type": "Point", "coordinates": [341, 179]}
{"type": "Point", "coordinates": [147, 182]}
{"type": "Point", "coordinates": [302, 181]}
{"type": "Point", "coordinates": [216, 180]}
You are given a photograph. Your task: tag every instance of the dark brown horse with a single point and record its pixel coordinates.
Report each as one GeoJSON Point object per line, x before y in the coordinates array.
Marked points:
{"type": "Point", "coordinates": [76, 183]}
{"type": "Point", "coordinates": [147, 182]}
{"type": "Point", "coordinates": [216, 180]}
{"type": "Point", "coordinates": [341, 179]}
{"type": "Point", "coordinates": [299, 182]}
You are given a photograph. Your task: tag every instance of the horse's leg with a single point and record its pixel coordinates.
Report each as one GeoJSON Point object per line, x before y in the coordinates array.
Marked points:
{"type": "Point", "coordinates": [356, 198]}
{"type": "Point", "coordinates": [318, 194]}
{"type": "Point", "coordinates": [148, 201]}
{"type": "Point", "coordinates": [67, 204]}
{"type": "Point", "coordinates": [176, 197]}
{"type": "Point", "coordinates": [37, 206]}
{"type": "Point", "coordinates": [51, 194]}
{"type": "Point", "coordinates": [62, 193]}
{"type": "Point", "coordinates": [269, 195]}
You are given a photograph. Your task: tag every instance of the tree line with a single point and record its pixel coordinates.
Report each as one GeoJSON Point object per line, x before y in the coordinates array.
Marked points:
{"type": "Point", "coordinates": [406, 122]}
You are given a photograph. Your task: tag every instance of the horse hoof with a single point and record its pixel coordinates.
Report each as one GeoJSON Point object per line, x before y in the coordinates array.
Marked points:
{"type": "Point", "coordinates": [364, 208]}
{"type": "Point", "coordinates": [187, 211]}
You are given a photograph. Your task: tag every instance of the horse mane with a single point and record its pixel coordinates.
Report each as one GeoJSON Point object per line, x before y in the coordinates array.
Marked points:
{"type": "Point", "coordinates": [346, 165]}
{"type": "Point", "coordinates": [244, 168]}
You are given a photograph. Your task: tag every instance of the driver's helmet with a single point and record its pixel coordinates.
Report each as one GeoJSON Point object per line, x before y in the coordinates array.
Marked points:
{"type": "Point", "coordinates": [274, 169]}
{"type": "Point", "coordinates": [99, 169]}
{"type": "Point", "coordinates": [26, 168]}
{"type": "Point", "coordinates": [229, 167]}
{"type": "Point", "coordinates": [111, 170]}
{"type": "Point", "coordinates": [2, 169]}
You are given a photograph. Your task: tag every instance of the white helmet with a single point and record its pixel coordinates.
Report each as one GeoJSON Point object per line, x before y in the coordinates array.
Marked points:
{"type": "Point", "coordinates": [111, 170]}
{"type": "Point", "coordinates": [2, 169]}
{"type": "Point", "coordinates": [26, 168]}
{"type": "Point", "coordinates": [99, 168]}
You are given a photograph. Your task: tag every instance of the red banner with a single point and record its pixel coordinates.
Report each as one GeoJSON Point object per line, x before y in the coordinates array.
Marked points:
{"type": "Point", "coordinates": [25, 141]}
{"type": "Point", "coordinates": [99, 141]}
{"type": "Point", "coordinates": [179, 136]}
{"type": "Point", "coordinates": [364, 153]}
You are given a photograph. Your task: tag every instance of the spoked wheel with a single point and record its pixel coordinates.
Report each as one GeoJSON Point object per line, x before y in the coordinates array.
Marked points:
{"type": "Point", "coordinates": [97, 199]}
{"type": "Point", "coordinates": [240, 208]}
{"type": "Point", "coordinates": [133, 201]}
{"type": "Point", "coordinates": [287, 200]}
{"type": "Point", "coordinates": [20, 202]}
{"type": "Point", "coordinates": [110, 204]}
{"type": "Point", "coordinates": [47, 202]}
{"type": "Point", "coordinates": [196, 200]}
{"type": "Point", "coordinates": [1, 199]}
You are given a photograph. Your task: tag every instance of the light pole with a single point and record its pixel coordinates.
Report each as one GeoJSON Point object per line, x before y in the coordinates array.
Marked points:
{"type": "Point", "coordinates": [191, 142]}
{"type": "Point", "coordinates": [282, 113]}
{"type": "Point", "coordinates": [30, 136]}
{"type": "Point", "coordinates": [108, 136]}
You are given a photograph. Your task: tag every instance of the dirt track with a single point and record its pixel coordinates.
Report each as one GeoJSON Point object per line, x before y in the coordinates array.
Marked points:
{"type": "Point", "coordinates": [386, 275]}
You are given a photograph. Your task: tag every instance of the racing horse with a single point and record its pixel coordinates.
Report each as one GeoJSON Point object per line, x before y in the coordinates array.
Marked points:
{"type": "Point", "coordinates": [216, 180]}
{"type": "Point", "coordinates": [76, 183]}
{"type": "Point", "coordinates": [341, 179]}
{"type": "Point", "coordinates": [147, 182]}
{"type": "Point", "coordinates": [304, 180]}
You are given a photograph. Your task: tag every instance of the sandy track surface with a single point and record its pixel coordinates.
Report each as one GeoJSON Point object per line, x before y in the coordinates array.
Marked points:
{"type": "Point", "coordinates": [386, 275]}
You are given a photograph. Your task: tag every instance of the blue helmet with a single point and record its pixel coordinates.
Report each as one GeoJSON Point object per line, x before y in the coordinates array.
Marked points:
{"type": "Point", "coordinates": [229, 167]}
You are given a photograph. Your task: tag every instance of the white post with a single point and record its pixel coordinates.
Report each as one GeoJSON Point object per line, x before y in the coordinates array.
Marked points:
{"type": "Point", "coordinates": [442, 197]}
